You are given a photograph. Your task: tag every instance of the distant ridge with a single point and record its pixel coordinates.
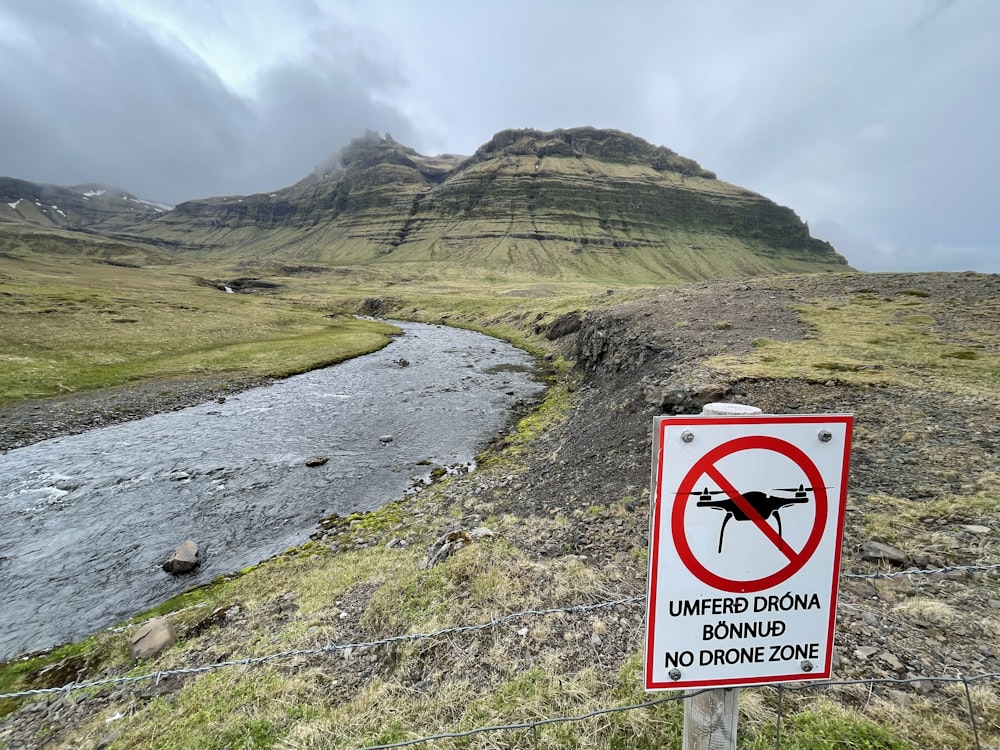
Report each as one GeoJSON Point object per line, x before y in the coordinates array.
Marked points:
{"type": "Point", "coordinates": [79, 207]}
{"type": "Point", "coordinates": [581, 203]}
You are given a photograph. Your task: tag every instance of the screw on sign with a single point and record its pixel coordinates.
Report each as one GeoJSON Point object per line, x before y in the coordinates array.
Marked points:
{"type": "Point", "coordinates": [746, 526]}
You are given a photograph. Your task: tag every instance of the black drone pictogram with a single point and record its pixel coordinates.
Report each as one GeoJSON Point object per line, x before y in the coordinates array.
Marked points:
{"type": "Point", "coordinates": [764, 504]}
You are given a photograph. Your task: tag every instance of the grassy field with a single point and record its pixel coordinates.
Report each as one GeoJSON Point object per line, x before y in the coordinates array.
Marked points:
{"type": "Point", "coordinates": [913, 339]}
{"type": "Point", "coordinates": [74, 322]}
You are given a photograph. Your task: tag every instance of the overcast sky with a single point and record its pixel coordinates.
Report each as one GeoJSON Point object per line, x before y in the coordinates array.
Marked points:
{"type": "Point", "coordinates": [876, 121]}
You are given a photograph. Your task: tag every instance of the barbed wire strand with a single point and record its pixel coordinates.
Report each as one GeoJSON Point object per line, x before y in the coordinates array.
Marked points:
{"type": "Point", "coordinates": [533, 725]}
{"type": "Point", "coordinates": [927, 571]}
{"type": "Point", "coordinates": [330, 647]}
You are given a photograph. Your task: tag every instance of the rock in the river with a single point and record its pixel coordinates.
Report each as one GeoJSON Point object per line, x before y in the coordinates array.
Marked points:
{"type": "Point", "coordinates": [385, 439]}
{"type": "Point", "coordinates": [149, 640]}
{"type": "Point", "coordinates": [184, 560]}
{"type": "Point", "coordinates": [316, 460]}
{"type": "Point", "coordinates": [872, 550]}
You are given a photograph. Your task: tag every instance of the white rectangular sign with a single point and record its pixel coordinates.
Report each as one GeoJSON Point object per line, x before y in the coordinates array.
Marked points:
{"type": "Point", "coordinates": [746, 529]}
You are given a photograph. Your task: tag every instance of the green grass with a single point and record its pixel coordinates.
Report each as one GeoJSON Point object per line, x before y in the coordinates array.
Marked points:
{"type": "Point", "coordinates": [77, 325]}
{"type": "Point", "coordinates": [878, 340]}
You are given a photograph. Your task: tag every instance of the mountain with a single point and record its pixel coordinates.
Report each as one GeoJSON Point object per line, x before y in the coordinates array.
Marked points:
{"type": "Point", "coordinates": [88, 206]}
{"type": "Point", "coordinates": [580, 203]}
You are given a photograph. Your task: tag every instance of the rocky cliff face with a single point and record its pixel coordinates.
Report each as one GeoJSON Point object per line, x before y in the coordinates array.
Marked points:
{"type": "Point", "coordinates": [88, 206]}
{"type": "Point", "coordinates": [581, 203]}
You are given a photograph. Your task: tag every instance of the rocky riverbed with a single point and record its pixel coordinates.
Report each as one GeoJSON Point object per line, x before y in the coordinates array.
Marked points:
{"type": "Point", "coordinates": [579, 496]}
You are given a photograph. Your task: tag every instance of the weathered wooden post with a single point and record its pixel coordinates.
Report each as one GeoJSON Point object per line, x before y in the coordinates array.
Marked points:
{"type": "Point", "coordinates": [710, 719]}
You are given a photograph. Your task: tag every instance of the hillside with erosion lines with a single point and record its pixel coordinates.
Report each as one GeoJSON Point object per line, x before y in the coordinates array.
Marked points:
{"type": "Point", "coordinates": [571, 205]}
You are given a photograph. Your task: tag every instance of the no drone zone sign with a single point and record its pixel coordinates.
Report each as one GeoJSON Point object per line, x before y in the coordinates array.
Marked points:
{"type": "Point", "coordinates": [746, 526]}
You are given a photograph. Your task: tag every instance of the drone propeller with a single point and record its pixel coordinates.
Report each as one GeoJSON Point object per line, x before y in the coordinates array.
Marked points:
{"type": "Point", "coordinates": [800, 488]}
{"type": "Point", "coordinates": [705, 491]}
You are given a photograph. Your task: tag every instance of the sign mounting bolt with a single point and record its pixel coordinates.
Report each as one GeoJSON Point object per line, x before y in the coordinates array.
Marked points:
{"type": "Point", "coordinates": [807, 666]}
{"type": "Point", "coordinates": [674, 674]}
{"type": "Point", "coordinates": [825, 436]}
{"type": "Point", "coordinates": [687, 436]}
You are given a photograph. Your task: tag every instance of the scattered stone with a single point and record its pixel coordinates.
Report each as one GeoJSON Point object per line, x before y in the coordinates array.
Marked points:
{"type": "Point", "coordinates": [865, 652]}
{"type": "Point", "coordinates": [901, 699]}
{"type": "Point", "coordinates": [974, 529]}
{"type": "Point", "coordinates": [316, 460]}
{"type": "Point", "coordinates": [879, 551]}
{"type": "Point", "coordinates": [450, 543]}
{"type": "Point", "coordinates": [149, 640]}
{"type": "Point", "coordinates": [889, 659]}
{"type": "Point", "coordinates": [184, 560]}
{"type": "Point", "coordinates": [923, 687]}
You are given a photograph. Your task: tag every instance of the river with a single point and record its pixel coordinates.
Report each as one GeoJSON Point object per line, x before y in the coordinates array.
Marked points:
{"type": "Point", "coordinates": [86, 521]}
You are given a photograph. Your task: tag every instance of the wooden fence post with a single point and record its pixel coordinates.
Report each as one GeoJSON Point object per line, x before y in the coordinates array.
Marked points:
{"type": "Point", "coordinates": [711, 716]}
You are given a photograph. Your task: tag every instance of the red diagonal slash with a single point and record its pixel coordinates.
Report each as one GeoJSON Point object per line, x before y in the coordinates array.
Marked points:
{"type": "Point", "coordinates": [758, 520]}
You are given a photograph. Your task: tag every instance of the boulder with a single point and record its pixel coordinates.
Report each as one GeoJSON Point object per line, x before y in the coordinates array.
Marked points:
{"type": "Point", "coordinates": [563, 326]}
{"type": "Point", "coordinates": [879, 551]}
{"type": "Point", "coordinates": [450, 543]}
{"type": "Point", "coordinates": [184, 560]}
{"type": "Point", "coordinates": [149, 640]}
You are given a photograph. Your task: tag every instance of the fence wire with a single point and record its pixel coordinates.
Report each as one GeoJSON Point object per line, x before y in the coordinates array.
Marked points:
{"type": "Point", "coordinates": [538, 723]}
{"type": "Point", "coordinates": [497, 622]}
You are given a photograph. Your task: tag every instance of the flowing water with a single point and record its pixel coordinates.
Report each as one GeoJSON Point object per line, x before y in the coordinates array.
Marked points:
{"type": "Point", "coordinates": [86, 521]}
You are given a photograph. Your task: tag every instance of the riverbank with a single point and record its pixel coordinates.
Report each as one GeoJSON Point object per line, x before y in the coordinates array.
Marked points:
{"type": "Point", "coordinates": [27, 422]}
{"type": "Point", "coordinates": [566, 499]}
{"type": "Point", "coordinates": [341, 440]}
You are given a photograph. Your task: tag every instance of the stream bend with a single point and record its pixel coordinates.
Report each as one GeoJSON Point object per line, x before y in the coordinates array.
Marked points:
{"type": "Point", "coordinates": [86, 521]}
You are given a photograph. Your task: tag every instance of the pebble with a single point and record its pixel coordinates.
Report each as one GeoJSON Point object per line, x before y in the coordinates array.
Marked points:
{"type": "Point", "coordinates": [865, 652]}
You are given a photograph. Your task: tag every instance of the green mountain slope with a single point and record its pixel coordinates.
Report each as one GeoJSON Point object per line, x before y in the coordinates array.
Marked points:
{"type": "Point", "coordinates": [578, 204]}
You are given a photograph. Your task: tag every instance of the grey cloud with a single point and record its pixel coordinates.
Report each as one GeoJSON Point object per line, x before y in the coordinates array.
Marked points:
{"type": "Point", "coordinates": [107, 103]}
{"type": "Point", "coordinates": [90, 96]}
{"type": "Point", "coordinates": [873, 116]}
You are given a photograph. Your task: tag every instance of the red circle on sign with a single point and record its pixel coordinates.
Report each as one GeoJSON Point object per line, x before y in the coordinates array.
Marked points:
{"type": "Point", "coordinates": [686, 490]}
